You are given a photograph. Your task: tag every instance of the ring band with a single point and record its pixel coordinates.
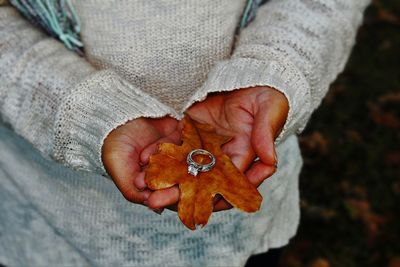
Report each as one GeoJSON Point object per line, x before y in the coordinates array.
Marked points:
{"type": "Point", "coordinates": [193, 167]}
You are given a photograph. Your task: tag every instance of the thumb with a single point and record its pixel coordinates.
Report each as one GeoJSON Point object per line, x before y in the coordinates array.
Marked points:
{"type": "Point", "coordinates": [263, 144]}
{"type": "Point", "coordinates": [268, 122]}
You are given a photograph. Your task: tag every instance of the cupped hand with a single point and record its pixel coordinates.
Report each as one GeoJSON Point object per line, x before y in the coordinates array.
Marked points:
{"type": "Point", "coordinates": [254, 117]}
{"type": "Point", "coordinates": [127, 148]}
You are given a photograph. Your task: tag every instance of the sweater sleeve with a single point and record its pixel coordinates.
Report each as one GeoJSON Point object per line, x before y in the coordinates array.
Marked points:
{"type": "Point", "coordinates": [58, 101]}
{"type": "Point", "coordinates": [295, 46]}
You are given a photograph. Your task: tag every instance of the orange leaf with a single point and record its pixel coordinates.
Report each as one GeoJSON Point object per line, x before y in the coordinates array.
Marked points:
{"type": "Point", "coordinates": [168, 167]}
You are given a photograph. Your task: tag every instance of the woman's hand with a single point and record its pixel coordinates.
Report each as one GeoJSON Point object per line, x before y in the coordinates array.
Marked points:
{"type": "Point", "coordinates": [254, 117]}
{"type": "Point", "coordinates": [127, 149]}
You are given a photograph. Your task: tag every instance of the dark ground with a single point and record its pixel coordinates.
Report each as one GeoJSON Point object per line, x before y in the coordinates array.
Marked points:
{"type": "Point", "coordinates": [350, 184]}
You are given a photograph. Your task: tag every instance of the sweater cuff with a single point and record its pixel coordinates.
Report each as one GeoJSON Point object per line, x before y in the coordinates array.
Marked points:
{"type": "Point", "coordinates": [238, 73]}
{"type": "Point", "coordinates": [92, 110]}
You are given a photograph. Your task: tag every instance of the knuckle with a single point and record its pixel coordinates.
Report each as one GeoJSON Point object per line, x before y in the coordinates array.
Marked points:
{"type": "Point", "coordinates": [155, 204]}
{"type": "Point", "coordinates": [130, 196]}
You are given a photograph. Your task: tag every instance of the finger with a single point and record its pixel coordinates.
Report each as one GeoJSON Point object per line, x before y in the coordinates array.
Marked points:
{"type": "Point", "coordinates": [259, 172]}
{"type": "Point", "coordinates": [139, 181]}
{"type": "Point", "coordinates": [173, 137]}
{"type": "Point", "coordinates": [220, 202]}
{"type": "Point", "coordinates": [165, 126]}
{"type": "Point", "coordinates": [123, 171]}
{"type": "Point", "coordinates": [163, 198]}
{"type": "Point", "coordinates": [125, 183]}
{"type": "Point", "coordinates": [270, 117]}
{"type": "Point", "coordinates": [240, 151]}
{"type": "Point", "coordinates": [262, 138]}
{"type": "Point", "coordinates": [222, 205]}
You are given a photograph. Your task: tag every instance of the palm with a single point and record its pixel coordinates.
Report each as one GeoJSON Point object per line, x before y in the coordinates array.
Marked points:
{"type": "Point", "coordinates": [231, 116]}
{"type": "Point", "coordinates": [253, 117]}
{"type": "Point", "coordinates": [127, 149]}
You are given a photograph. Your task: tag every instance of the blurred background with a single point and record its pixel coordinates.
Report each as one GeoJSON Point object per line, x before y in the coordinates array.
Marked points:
{"type": "Point", "coordinates": [350, 183]}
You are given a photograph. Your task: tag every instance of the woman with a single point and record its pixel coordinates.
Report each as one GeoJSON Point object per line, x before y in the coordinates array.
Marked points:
{"type": "Point", "coordinates": [80, 120]}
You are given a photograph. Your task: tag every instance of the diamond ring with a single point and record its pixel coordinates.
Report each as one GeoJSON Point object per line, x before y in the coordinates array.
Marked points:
{"type": "Point", "coordinates": [194, 167]}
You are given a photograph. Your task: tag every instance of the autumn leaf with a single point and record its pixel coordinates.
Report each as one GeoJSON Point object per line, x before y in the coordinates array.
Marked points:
{"type": "Point", "coordinates": [168, 167]}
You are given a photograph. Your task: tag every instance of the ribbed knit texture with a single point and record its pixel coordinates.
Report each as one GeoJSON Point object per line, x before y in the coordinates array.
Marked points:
{"type": "Point", "coordinates": [150, 58]}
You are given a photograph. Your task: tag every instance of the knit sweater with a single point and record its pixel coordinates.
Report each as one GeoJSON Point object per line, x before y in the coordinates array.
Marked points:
{"type": "Point", "coordinates": [150, 59]}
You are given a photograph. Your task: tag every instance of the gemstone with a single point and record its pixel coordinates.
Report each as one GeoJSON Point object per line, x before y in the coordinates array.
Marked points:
{"type": "Point", "coordinates": [193, 170]}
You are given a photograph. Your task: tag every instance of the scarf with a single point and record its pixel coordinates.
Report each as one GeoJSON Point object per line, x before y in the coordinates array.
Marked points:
{"type": "Point", "coordinates": [59, 19]}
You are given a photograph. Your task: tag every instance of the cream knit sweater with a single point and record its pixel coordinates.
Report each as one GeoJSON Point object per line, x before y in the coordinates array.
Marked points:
{"type": "Point", "coordinates": [151, 59]}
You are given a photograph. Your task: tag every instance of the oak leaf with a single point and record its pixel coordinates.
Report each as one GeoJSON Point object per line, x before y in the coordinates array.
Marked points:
{"type": "Point", "coordinates": [168, 167]}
